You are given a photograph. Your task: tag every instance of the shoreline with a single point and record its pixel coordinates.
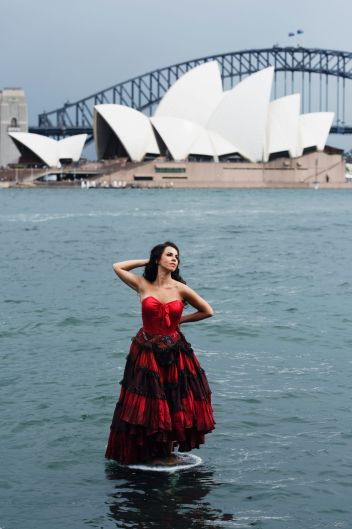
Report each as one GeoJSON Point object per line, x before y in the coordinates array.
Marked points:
{"type": "Point", "coordinates": [216, 186]}
{"type": "Point", "coordinates": [317, 169]}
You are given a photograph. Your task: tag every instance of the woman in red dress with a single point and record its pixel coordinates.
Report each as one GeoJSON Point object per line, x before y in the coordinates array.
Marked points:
{"type": "Point", "coordinates": [165, 400]}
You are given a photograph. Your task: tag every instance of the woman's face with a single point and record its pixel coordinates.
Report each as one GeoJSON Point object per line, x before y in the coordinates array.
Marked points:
{"type": "Point", "coordinates": [169, 259]}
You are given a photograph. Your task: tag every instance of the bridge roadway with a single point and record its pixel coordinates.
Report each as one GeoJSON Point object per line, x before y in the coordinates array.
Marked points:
{"type": "Point", "coordinates": [70, 131]}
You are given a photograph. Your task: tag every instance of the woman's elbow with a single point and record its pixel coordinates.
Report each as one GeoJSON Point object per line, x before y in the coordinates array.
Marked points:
{"type": "Point", "coordinates": [116, 267]}
{"type": "Point", "coordinates": [210, 312]}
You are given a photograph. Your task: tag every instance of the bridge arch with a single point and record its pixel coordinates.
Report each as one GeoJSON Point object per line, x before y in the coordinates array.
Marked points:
{"type": "Point", "coordinates": [323, 77]}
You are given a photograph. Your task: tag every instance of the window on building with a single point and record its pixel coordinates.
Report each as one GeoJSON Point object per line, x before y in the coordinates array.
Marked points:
{"type": "Point", "coordinates": [170, 169]}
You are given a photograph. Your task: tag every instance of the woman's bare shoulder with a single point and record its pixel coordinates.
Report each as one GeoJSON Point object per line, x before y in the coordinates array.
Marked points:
{"type": "Point", "coordinates": [182, 289]}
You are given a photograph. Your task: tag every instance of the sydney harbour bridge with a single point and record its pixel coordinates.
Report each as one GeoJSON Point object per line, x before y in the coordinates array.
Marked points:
{"type": "Point", "coordinates": [322, 77]}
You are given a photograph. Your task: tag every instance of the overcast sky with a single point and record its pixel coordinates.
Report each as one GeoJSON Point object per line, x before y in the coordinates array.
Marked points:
{"type": "Point", "coordinates": [68, 49]}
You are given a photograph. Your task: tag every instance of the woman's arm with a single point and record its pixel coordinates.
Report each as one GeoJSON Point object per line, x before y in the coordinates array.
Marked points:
{"type": "Point", "coordinates": [122, 270]}
{"type": "Point", "coordinates": [204, 310]}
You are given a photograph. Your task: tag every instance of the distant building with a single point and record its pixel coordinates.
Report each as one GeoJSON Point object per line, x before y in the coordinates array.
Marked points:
{"type": "Point", "coordinates": [13, 118]}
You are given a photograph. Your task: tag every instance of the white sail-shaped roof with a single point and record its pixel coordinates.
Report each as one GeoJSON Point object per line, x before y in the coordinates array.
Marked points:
{"type": "Point", "coordinates": [51, 151]}
{"type": "Point", "coordinates": [132, 128]}
{"type": "Point", "coordinates": [183, 137]}
{"type": "Point", "coordinates": [241, 116]}
{"type": "Point", "coordinates": [177, 134]}
{"type": "Point", "coordinates": [194, 96]}
{"type": "Point", "coordinates": [71, 148]}
{"type": "Point", "coordinates": [43, 147]}
{"type": "Point", "coordinates": [283, 126]}
{"type": "Point", "coordinates": [314, 129]}
{"type": "Point", "coordinates": [211, 144]}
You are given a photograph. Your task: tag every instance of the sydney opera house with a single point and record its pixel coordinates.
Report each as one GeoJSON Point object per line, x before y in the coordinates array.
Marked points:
{"type": "Point", "coordinates": [201, 135]}
{"type": "Point", "coordinates": [197, 118]}
{"type": "Point", "coordinates": [240, 135]}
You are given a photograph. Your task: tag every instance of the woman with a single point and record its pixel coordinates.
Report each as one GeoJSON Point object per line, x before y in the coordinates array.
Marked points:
{"type": "Point", "coordinates": [165, 398]}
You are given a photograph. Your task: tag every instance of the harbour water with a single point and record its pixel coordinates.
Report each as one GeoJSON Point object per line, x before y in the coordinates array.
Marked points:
{"type": "Point", "coordinates": [276, 267]}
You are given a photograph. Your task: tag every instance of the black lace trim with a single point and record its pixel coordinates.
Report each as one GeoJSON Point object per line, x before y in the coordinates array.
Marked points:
{"type": "Point", "coordinates": [148, 385]}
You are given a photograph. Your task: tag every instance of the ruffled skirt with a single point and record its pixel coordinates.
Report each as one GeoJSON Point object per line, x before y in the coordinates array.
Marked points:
{"type": "Point", "coordinates": [165, 398]}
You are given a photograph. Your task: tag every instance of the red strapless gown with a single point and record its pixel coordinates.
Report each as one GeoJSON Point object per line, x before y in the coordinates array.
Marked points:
{"type": "Point", "coordinates": [165, 396]}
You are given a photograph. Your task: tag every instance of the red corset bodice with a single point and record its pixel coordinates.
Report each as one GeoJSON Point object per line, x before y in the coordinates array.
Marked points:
{"type": "Point", "coordinates": [161, 318]}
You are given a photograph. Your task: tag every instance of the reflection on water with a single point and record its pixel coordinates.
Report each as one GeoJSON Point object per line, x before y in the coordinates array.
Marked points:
{"type": "Point", "coordinates": [160, 500]}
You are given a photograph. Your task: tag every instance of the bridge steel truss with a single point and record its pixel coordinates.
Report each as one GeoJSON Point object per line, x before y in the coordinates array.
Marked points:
{"type": "Point", "coordinates": [317, 68]}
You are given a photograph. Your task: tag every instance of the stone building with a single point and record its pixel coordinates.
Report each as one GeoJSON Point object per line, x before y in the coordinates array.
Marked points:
{"type": "Point", "coordinates": [13, 118]}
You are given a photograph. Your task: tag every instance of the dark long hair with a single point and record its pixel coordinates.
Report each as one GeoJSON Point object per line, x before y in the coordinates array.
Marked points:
{"type": "Point", "coordinates": [151, 269]}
